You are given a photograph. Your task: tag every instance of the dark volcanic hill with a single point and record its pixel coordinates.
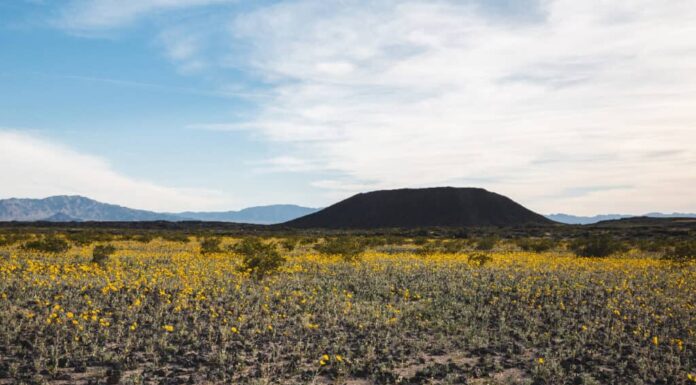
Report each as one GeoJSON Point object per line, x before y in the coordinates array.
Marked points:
{"type": "Point", "coordinates": [428, 207]}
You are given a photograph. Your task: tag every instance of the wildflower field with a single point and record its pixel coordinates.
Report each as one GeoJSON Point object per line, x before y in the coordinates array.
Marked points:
{"type": "Point", "coordinates": [171, 312]}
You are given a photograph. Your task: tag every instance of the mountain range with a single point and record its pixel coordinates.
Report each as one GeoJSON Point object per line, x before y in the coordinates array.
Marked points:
{"type": "Point", "coordinates": [586, 220]}
{"type": "Point", "coordinates": [74, 208]}
{"type": "Point", "coordinates": [261, 215]}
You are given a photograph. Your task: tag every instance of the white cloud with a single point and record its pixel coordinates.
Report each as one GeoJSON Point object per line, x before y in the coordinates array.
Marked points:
{"type": "Point", "coordinates": [94, 15]}
{"type": "Point", "coordinates": [417, 93]}
{"type": "Point", "coordinates": [35, 168]}
{"type": "Point", "coordinates": [560, 104]}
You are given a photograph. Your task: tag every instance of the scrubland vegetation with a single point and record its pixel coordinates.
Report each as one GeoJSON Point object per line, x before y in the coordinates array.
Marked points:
{"type": "Point", "coordinates": [177, 308]}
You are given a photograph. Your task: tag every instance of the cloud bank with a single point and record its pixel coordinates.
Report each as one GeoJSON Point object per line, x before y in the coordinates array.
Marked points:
{"type": "Point", "coordinates": [572, 106]}
{"type": "Point", "coordinates": [35, 168]}
{"type": "Point", "coordinates": [95, 15]}
{"type": "Point", "coordinates": [579, 106]}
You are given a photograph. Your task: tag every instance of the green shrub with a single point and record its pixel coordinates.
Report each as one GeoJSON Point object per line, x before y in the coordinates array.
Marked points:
{"type": "Point", "coordinates": [536, 245]}
{"type": "Point", "coordinates": [486, 243]}
{"type": "Point", "coordinates": [259, 258]}
{"type": "Point", "coordinates": [420, 241]}
{"type": "Point", "coordinates": [84, 238]}
{"type": "Point", "coordinates": [210, 245]}
{"type": "Point", "coordinates": [308, 240]}
{"type": "Point", "coordinates": [394, 240]}
{"type": "Point", "coordinates": [596, 246]}
{"type": "Point", "coordinates": [11, 239]}
{"type": "Point", "coordinates": [48, 244]}
{"type": "Point", "coordinates": [429, 248]}
{"type": "Point", "coordinates": [480, 259]}
{"type": "Point", "coordinates": [143, 238]}
{"type": "Point", "coordinates": [653, 245]}
{"type": "Point", "coordinates": [454, 246]}
{"type": "Point", "coordinates": [349, 248]}
{"type": "Point", "coordinates": [289, 244]}
{"type": "Point", "coordinates": [101, 253]}
{"type": "Point", "coordinates": [175, 237]}
{"type": "Point", "coordinates": [682, 252]}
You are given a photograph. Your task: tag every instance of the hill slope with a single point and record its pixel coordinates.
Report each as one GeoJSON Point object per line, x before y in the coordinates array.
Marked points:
{"type": "Point", "coordinates": [429, 207]}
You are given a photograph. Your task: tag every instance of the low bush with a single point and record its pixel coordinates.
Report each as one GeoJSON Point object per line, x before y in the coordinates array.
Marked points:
{"type": "Point", "coordinates": [486, 243]}
{"type": "Point", "coordinates": [420, 241]}
{"type": "Point", "coordinates": [259, 258]}
{"type": "Point", "coordinates": [289, 244]}
{"type": "Point", "coordinates": [101, 253]}
{"type": "Point", "coordinates": [349, 248]}
{"type": "Point", "coordinates": [84, 238]}
{"type": "Point", "coordinates": [143, 238]}
{"type": "Point", "coordinates": [596, 246]}
{"type": "Point", "coordinates": [175, 237]}
{"type": "Point", "coordinates": [210, 245]}
{"type": "Point", "coordinates": [537, 245]}
{"type": "Point", "coordinates": [454, 246]}
{"type": "Point", "coordinates": [682, 252]}
{"type": "Point", "coordinates": [12, 238]}
{"type": "Point", "coordinates": [480, 259]}
{"type": "Point", "coordinates": [48, 244]}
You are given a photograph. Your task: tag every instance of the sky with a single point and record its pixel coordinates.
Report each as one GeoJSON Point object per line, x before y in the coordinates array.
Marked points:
{"type": "Point", "coordinates": [582, 107]}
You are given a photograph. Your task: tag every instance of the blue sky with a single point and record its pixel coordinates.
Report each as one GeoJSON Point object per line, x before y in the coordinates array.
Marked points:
{"type": "Point", "coordinates": [214, 104]}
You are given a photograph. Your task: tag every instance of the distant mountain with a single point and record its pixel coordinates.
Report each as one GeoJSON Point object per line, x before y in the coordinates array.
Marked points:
{"type": "Point", "coordinates": [584, 220]}
{"type": "Point", "coordinates": [73, 206]}
{"type": "Point", "coordinates": [428, 207]}
{"type": "Point", "coordinates": [61, 217]}
{"type": "Point", "coordinates": [262, 215]}
{"type": "Point", "coordinates": [650, 222]}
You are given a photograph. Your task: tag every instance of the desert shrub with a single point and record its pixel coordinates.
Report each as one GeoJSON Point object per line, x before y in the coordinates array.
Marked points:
{"type": "Point", "coordinates": [48, 244]}
{"type": "Point", "coordinates": [480, 259]}
{"type": "Point", "coordinates": [84, 238]}
{"type": "Point", "coordinates": [175, 237]}
{"type": "Point", "coordinates": [349, 248]}
{"type": "Point", "coordinates": [454, 246]}
{"type": "Point", "coordinates": [420, 241]}
{"type": "Point", "coordinates": [101, 253]}
{"type": "Point", "coordinates": [429, 248]}
{"type": "Point", "coordinates": [289, 244]}
{"type": "Point", "coordinates": [11, 239]}
{"type": "Point", "coordinates": [682, 252]}
{"type": "Point", "coordinates": [143, 238]}
{"type": "Point", "coordinates": [486, 243]}
{"type": "Point", "coordinates": [536, 245]}
{"type": "Point", "coordinates": [596, 246]}
{"type": "Point", "coordinates": [259, 258]}
{"type": "Point", "coordinates": [308, 240]}
{"type": "Point", "coordinates": [372, 241]}
{"type": "Point", "coordinates": [210, 245]}
{"type": "Point", "coordinates": [394, 240]}
{"type": "Point", "coordinates": [653, 245]}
